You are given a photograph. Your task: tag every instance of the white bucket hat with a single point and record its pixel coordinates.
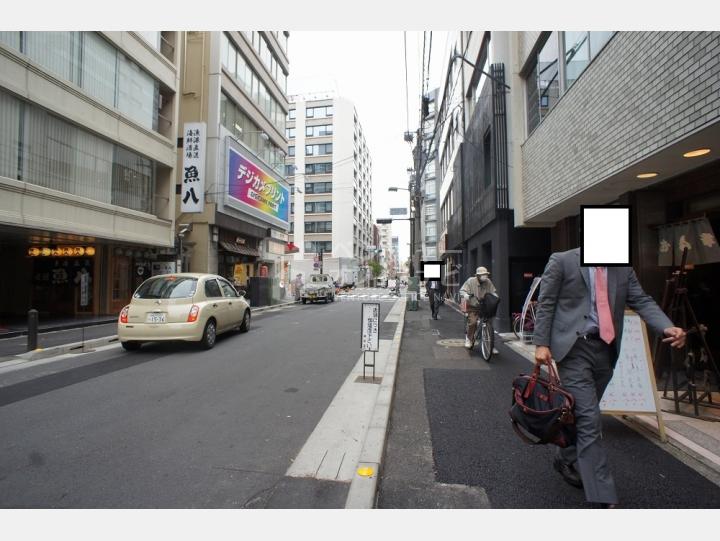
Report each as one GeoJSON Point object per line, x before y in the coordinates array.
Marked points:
{"type": "Point", "coordinates": [482, 271]}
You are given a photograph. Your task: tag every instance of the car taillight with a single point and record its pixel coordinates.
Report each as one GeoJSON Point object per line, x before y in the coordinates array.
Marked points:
{"type": "Point", "coordinates": [124, 314]}
{"type": "Point", "coordinates": [193, 315]}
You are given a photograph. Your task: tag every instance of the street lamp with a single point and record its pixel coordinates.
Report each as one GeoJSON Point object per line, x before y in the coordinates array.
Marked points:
{"type": "Point", "coordinates": [395, 189]}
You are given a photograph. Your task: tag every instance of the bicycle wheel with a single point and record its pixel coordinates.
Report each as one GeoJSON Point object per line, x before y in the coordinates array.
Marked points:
{"type": "Point", "coordinates": [516, 327]}
{"type": "Point", "coordinates": [487, 340]}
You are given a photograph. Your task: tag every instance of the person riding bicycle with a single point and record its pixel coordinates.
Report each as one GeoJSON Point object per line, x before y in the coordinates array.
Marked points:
{"type": "Point", "coordinates": [473, 291]}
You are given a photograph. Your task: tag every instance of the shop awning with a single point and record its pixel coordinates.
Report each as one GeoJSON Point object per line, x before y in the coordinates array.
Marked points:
{"type": "Point", "coordinates": [238, 249]}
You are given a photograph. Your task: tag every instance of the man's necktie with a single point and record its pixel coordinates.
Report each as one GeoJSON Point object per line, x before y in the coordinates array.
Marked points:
{"type": "Point", "coordinates": [607, 332]}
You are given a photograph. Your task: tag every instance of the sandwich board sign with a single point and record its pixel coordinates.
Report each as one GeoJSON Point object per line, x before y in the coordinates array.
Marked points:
{"type": "Point", "coordinates": [370, 332]}
{"type": "Point", "coordinates": [632, 389]}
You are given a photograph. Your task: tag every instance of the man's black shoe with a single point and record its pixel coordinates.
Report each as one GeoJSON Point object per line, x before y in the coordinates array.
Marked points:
{"type": "Point", "coordinates": [568, 472]}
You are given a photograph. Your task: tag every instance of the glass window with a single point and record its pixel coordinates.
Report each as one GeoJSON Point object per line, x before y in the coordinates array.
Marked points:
{"type": "Point", "coordinates": [11, 39]}
{"type": "Point", "coordinates": [167, 287]}
{"type": "Point", "coordinates": [577, 56]}
{"type": "Point", "coordinates": [547, 74]}
{"type": "Point", "coordinates": [98, 68]}
{"type": "Point", "coordinates": [153, 38]}
{"type": "Point", "coordinates": [598, 41]}
{"type": "Point", "coordinates": [58, 52]}
{"type": "Point", "coordinates": [9, 135]}
{"type": "Point", "coordinates": [227, 289]}
{"type": "Point", "coordinates": [291, 114]}
{"type": "Point", "coordinates": [309, 112]}
{"type": "Point", "coordinates": [290, 132]}
{"type": "Point", "coordinates": [212, 290]}
{"type": "Point", "coordinates": [291, 151]}
{"type": "Point", "coordinates": [138, 93]}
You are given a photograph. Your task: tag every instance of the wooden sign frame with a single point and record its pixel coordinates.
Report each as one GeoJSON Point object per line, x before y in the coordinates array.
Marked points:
{"type": "Point", "coordinates": [653, 383]}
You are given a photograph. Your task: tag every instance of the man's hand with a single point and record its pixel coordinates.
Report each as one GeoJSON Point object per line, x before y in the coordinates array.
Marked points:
{"type": "Point", "coordinates": [542, 355]}
{"type": "Point", "coordinates": [675, 335]}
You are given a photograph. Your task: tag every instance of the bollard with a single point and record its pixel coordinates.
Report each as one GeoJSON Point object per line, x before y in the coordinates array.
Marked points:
{"type": "Point", "coordinates": [32, 337]}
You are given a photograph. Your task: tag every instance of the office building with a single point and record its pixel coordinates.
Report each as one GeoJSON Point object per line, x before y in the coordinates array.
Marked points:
{"type": "Point", "coordinates": [330, 170]}
{"type": "Point", "coordinates": [234, 87]}
{"type": "Point", "coordinates": [88, 131]}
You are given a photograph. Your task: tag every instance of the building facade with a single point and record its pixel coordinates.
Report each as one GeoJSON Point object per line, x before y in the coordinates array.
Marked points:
{"type": "Point", "coordinates": [330, 170]}
{"type": "Point", "coordinates": [430, 207]}
{"type": "Point", "coordinates": [234, 85]}
{"type": "Point", "coordinates": [385, 247]}
{"type": "Point", "coordinates": [478, 141]}
{"type": "Point", "coordinates": [630, 118]}
{"type": "Point", "coordinates": [88, 130]}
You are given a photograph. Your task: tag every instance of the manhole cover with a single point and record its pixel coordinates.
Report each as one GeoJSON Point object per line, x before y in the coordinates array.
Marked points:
{"type": "Point", "coordinates": [452, 342]}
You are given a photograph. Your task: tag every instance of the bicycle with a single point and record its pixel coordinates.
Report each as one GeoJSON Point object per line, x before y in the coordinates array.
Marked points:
{"type": "Point", "coordinates": [527, 327]}
{"type": "Point", "coordinates": [485, 332]}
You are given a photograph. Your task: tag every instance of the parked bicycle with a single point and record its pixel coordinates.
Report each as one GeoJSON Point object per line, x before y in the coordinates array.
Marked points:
{"type": "Point", "coordinates": [527, 327]}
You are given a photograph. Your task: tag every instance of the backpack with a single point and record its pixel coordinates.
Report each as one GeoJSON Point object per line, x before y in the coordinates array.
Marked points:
{"type": "Point", "coordinates": [543, 409]}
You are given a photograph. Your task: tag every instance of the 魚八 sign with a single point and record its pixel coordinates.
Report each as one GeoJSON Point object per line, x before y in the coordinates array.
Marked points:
{"type": "Point", "coordinates": [370, 331]}
{"type": "Point", "coordinates": [257, 192]}
{"type": "Point", "coordinates": [398, 211]}
{"type": "Point", "coordinates": [193, 172]}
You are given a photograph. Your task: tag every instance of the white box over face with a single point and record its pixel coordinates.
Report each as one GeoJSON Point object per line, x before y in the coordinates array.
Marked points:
{"type": "Point", "coordinates": [605, 236]}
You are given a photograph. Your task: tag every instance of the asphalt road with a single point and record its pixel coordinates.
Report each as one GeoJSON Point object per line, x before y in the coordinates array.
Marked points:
{"type": "Point", "coordinates": [173, 426]}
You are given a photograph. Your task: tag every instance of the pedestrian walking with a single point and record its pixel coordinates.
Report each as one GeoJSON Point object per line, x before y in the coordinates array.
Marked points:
{"type": "Point", "coordinates": [579, 324]}
{"type": "Point", "coordinates": [473, 291]}
{"type": "Point", "coordinates": [433, 288]}
{"type": "Point", "coordinates": [298, 285]}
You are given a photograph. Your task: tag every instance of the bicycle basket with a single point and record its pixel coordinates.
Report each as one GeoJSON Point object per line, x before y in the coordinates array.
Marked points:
{"type": "Point", "coordinates": [489, 305]}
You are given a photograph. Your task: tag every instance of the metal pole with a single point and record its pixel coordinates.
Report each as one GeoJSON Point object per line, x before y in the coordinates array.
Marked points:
{"type": "Point", "coordinates": [32, 337]}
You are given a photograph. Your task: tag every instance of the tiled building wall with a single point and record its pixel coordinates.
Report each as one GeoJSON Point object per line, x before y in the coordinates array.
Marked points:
{"type": "Point", "coordinates": [642, 92]}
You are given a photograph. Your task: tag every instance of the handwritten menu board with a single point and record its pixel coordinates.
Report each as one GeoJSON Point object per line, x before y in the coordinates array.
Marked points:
{"type": "Point", "coordinates": [632, 388]}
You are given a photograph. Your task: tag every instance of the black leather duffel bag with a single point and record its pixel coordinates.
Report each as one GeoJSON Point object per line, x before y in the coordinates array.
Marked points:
{"type": "Point", "coordinates": [542, 409]}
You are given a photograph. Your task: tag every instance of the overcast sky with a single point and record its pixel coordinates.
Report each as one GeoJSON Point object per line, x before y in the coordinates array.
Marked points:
{"type": "Point", "coordinates": [368, 68]}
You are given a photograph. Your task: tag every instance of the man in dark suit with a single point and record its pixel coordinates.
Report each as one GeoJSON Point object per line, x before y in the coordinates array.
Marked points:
{"type": "Point", "coordinates": [579, 323]}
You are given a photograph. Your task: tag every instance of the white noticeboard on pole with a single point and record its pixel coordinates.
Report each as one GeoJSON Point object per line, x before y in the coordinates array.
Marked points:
{"type": "Point", "coordinates": [193, 172]}
{"type": "Point", "coordinates": [370, 332]}
{"type": "Point", "coordinates": [632, 389]}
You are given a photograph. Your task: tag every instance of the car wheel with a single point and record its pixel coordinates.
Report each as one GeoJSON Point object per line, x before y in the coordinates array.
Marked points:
{"type": "Point", "coordinates": [332, 299]}
{"type": "Point", "coordinates": [130, 346]}
{"type": "Point", "coordinates": [325, 301]}
{"type": "Point", "coordinates": [304, 301]}
{"type": "Point", "coordinates": [245, 325]}
{"type": "Point", "coordinates": [209, 335]}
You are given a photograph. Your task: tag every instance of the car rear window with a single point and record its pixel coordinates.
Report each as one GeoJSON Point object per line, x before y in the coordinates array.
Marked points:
{"type": "Point", "coordinates": [167, 287]}
{"type": "Point", "coordinates": [318, 279]}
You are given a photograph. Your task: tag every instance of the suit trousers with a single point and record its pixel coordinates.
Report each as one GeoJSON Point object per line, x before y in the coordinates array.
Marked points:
{"type": "Point", "coordinates": [585, 372]}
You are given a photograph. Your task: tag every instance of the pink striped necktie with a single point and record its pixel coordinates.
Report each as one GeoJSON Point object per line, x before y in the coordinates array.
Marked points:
{"type": "Point", "coordinates": [607, 332]}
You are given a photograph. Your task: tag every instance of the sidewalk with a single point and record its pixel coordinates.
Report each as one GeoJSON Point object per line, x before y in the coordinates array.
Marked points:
{"type": "Point", "coordinates": [697, 437]}
{"type": "Point", "coordinates": [451, 446]}
{"type": "Point", "coordinates": [13, 327]}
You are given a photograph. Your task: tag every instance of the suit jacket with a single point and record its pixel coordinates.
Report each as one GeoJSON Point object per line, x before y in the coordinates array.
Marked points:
{"type": "Point", "coordinates": [564, 303]}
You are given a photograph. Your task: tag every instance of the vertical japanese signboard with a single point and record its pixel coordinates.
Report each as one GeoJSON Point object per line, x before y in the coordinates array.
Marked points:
{"type": "Point", "coordinates": [193, 172]}
{"type": "Point", "coordinates": [370, 331]}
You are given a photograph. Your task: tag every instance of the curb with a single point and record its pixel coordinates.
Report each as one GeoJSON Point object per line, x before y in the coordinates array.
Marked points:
{"type": "Point", "coordinates": [261, 309]}
{"type": "Point", "coordinates": [363, 488]}
{"type": "Point", "coordinates": [75, 347]}
{"type": "Point", "coordinates": [67, 327]}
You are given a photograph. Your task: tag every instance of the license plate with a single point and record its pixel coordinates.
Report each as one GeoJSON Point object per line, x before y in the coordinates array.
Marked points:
{"type": "Point", "coordinates": [156, 318]}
